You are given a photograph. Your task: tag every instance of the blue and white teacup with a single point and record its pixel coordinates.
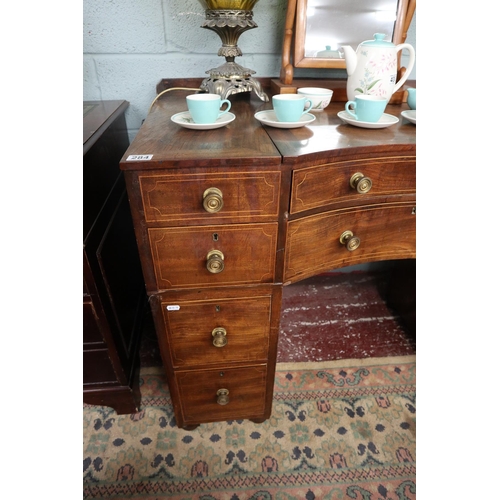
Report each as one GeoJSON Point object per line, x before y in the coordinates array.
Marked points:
{"type": "Point", "coordinates": [206, 108]}
{"type": "Point", "coordinates": [366, 108]}
{"type": "Point", "coordinates": [290, 107]}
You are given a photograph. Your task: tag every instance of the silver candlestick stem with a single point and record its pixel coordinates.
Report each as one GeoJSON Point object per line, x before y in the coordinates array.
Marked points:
{"type": "Point", "coordinates": [230, 77]}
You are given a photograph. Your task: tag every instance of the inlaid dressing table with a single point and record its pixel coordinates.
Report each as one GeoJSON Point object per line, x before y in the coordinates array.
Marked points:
{"type": "Point", "coordinates": [225, 218]}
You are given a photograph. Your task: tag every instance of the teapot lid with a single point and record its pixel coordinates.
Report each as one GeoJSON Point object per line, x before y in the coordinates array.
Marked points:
{"type": "Point", "coordinates": [378, 41]}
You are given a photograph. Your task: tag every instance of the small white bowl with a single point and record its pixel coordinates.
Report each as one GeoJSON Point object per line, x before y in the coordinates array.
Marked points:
{"type": "Point", "coordinates": [320, 97]}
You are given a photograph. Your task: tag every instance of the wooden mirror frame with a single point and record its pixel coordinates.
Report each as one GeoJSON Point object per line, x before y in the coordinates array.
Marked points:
{"type": "Point", "coordinates": [295, 31]}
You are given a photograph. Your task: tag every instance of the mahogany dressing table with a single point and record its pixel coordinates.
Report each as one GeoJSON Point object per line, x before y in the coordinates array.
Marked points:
{"type": "Point", "coordinates": [225, 218]}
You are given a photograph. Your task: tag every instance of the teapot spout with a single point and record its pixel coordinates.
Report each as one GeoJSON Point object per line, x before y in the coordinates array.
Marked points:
{"type": "Point", "coordinates": [351, 59]}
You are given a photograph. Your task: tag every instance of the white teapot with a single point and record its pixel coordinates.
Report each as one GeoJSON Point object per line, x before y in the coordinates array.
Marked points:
{"type": "Point", "coordinates": [372, 69]}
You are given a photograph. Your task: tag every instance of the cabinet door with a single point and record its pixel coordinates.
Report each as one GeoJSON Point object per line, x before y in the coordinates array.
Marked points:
{"type": "Point", "coordinates": [384, 232]}
{"type": "Point", "coordinates": [235, 254]}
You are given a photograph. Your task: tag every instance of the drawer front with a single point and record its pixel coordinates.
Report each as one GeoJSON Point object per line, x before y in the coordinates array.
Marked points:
{"type": "Point", "coordinates": [179, 199]}
{"type": "Point", "coordinates": [211, 332]}
{"type": "Point", "coordinates": [313, 243]}
{"type": "Point", "coordinates": [323, 185]}
{"type": "Point", "coordinates": [237, 253]}
{"type": "Point", "coordinates": [246, 393]}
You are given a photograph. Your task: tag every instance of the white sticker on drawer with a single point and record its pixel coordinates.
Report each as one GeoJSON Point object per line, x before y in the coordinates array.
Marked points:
{"type": "Point", "coordinates": [173, 308]}
{"type": "Point", "coordinates": [139, 157]}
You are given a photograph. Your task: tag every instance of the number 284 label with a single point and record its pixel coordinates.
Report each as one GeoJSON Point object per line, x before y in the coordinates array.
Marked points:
{"type": "Point", "coordinates": [139, 157]}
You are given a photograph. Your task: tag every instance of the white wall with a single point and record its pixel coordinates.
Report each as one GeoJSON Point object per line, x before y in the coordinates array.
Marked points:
{"type": "Point", "coordinates": [129, 46]}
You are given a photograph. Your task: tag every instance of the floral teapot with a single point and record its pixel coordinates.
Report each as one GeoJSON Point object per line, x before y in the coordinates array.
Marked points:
{"type": "Point", "coordinates": [372, 69]}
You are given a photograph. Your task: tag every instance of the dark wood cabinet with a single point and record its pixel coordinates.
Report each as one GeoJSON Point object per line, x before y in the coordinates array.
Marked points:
{"type": "Point", "coordinates": [113, 286]}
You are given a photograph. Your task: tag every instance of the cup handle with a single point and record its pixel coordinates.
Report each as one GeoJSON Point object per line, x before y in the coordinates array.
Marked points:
{"type": "Point", "coordinates": [348, 105]}
{"type": "Point", "coordinates": [224, 111]}
{"type": "Point", "coordinates": [309, 107]}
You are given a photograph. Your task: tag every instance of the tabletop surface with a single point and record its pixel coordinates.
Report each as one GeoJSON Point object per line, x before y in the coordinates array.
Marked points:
{"type": "Point", "coordinates": [246, 141]}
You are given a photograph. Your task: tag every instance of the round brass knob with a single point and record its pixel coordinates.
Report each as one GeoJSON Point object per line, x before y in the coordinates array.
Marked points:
{"type": "Point", "coordinates": [360, 183]}
{"type": "Point", "coordinates": [220, 337]}
{"type": "Point", "coordinates": [215, 261]}
{"type": "Point", "coordinates": [223, 397]}
{"type": "Point", "coordinates": [212, 200]}
{"type": "Point", "coordinates": [348, 239]}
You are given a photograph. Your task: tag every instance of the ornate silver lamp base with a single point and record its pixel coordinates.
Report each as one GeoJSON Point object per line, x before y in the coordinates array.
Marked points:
{"type": "Point", "coordinates": [230, 78]}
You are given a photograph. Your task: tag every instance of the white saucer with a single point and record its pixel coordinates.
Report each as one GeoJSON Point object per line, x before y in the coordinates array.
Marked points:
{"type": "Point", "coordinates": [385, 120]}
{"type": "Point", "coordinates": [410, 115]}
{"type": "Point", "coordinates": [268, 117]}
{"type": "Point", "coordinates": [184, 120]}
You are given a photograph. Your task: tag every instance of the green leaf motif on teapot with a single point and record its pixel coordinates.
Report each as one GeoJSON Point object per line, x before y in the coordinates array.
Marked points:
{"type": "Point", "coordinates": [367, 86]}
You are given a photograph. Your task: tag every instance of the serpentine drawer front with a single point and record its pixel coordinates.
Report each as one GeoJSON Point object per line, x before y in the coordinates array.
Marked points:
{"type": "Point", "coordinates": [352, 182]}
{"type": "Point", "coordinates": [196, 198]}
{"type": "Point", "coordinates": [346, 237]}
{"type": "Point", "coordinates": [213, 255]}
{"type": "Point", "coordinates": [226, 330]}
{"type": "Point", "coordinates": [222, 394]}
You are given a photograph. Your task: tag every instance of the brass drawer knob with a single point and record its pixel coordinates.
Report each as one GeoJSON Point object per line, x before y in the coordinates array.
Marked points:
{"type": "Point", "coordinates": [220, 337]}
{"type": "Point", "coordinates": [212, 200]}
{"type": "Point", "coordinates": [215, 261]}
{"type": "Point", "coordinates": [223, 397]}
{"type": "Point", "coordinates": [360, 183]}
{"type": "Point", "coordinates": [348, 239]}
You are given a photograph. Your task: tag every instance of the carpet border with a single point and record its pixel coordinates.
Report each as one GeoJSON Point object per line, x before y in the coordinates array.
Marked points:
{"type": "Point", "coordinates": [346, 363]}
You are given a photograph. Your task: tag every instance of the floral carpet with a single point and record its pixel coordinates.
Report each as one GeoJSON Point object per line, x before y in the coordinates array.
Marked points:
{"type": "Point", "coordinates": [339, 430]}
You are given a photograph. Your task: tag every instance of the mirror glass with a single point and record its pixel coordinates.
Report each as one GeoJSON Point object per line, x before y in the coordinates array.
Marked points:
{"type": "Point", "coordinates": [331, 24]}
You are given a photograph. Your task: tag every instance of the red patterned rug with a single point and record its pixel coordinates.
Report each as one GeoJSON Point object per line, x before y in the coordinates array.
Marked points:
{"type": "Point", "coordinates": [339, 430]}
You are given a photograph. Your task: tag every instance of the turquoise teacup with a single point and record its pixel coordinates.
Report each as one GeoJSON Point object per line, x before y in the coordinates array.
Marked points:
{"type": "Point", "coordinates": [366, 108]}
{"type": "Point", "coordinates": [205, 108]}
{"type": "Point", "coordinates": [412, 98]}
{"type": "Point", "coordinates": [290, 107]}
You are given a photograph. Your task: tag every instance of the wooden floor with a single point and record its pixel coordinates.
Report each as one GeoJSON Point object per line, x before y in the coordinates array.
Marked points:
{"type": "Point", "coordinates": [342, 315]}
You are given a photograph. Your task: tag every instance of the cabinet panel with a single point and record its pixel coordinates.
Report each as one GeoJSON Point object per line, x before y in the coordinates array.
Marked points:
{"type": "Point", "coordinates": [180, 255]}
{"type": "Point", "coordinates": [313, 243]}
{"type": "Point", "coordinates": [246, 393]}
{"type": "Point", "coordinates": [323, 185]}
{"type": "Point", "coordinates": [91, 331]}
{"type": "Point", "coordinates": [179, 198]}
{"type": "Point", "coordinates": [97, 368]}
{"type": "Point", "coordinates": [242, 324]}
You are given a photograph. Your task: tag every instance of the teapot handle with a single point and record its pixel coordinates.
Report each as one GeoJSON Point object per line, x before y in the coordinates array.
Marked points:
{"type": "Point", "coordinates": [411, 63]}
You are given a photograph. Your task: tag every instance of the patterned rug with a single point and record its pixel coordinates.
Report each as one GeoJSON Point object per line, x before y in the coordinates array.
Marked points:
{"type": "Point", "coordinates": [339, 430]}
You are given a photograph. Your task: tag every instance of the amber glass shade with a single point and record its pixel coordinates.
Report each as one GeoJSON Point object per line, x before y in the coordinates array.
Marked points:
{"type": "Point", "coordinates": [228, 4]}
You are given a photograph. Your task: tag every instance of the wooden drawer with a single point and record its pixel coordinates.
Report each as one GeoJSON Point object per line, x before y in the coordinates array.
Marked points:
{"type": "Point", "coordinates": [180, 254]}
{"type": "Point", "coordinates": [242, 323]}
{"type": "Point", "coordinates": [313, 243]}
{"type": "Point", "coordinates": [178, 199]}
{"type": "Point", "coordinates": [198, 393]}
{"type": "Point", "coordinates": [323, 185]}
